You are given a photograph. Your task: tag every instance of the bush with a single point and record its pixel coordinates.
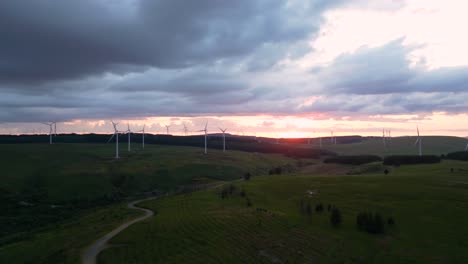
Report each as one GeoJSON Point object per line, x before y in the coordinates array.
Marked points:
{"type": "Point", "coordinates": [242, 193]}
{"type": "Point", "coordinates": [386, 171]}
{"type": "Point", "coordinates": [408, 159]}
{"type": "Point", "coordinates": [247, 176]}
{"type": "Point", "coordinates": [353, 160]}
{"type": "Point", "coordinates": [371, 223]}
{"type": "Point", "coordinates": [248, 202]}
{"type": "Point", "coordinates": [390, 221]}
{"type": "Point", "coordinates": [309, 209]}
{"type": "Point", "coordinates": [335, 217]}
{"type": "Point", "coordinates": [319, 208]}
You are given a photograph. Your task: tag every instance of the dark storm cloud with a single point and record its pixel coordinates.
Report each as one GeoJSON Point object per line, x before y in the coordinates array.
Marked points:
{"type": "Point", "coordinates": [48, 40]}
{"type": "Point", "coordinates": [387, 69]}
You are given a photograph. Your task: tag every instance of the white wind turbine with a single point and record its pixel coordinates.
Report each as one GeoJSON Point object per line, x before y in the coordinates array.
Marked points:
{"type": "Point", "coordinates": [333, 138]}
{"type": "Point", "coordinates": [384, 139]}
{"type": "Point", "coordinates": [206, 131]}
{"type": "Point", "coordinates": [51, 131]}
{"type": "Point", "coordinates": [419, 140]}
{"type": "Point", "coordinates": [224, 138]}
{"type": "Point", "coordinates": [143, 139]}
{"type": "Point", "coordinates": [129, 132]}
{"type": "Point", "coordinates": [185, 130]}
{"type": "Point", "coordinates": [116, 135]}
{"type": "Point", "coordinates": [167, 129]}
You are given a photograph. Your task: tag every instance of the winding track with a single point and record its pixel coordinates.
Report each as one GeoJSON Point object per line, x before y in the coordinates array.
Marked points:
{"type": "Point", "coordinates": [90, 254]}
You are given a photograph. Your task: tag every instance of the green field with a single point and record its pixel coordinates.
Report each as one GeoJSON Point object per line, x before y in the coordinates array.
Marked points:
{"type": "Point", "coordinates": [432, 145]}
{"type": "Point", "coordinates": [428, 203]}
{"type": "Point", "coordinates": [51, 192]}
{"type": "Point", "coordinates": [57, 199]}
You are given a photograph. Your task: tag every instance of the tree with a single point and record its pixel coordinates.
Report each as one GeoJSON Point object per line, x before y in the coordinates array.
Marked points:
{"type": "Point", "coordinates": [247, 176]}
{"type": "Point", "coordinates": [309, 209]}
{"type": "Point", "coordinates": [319, 207]}
{"type": "Point", "coordinates": [386, 171]}
{"type": "Point", "coordinates": [335, 217]}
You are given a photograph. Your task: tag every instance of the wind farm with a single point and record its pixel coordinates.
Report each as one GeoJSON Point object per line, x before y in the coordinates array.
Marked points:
{"type": "Point", "coordinates": [248, 131]}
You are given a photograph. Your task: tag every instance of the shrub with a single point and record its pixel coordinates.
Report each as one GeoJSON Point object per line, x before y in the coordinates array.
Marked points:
{"type": "Point", "coordinates": [278, 170]}
{"type": "Point", "coordinates": [247, 176]}
{"type": "Point", "coordinates": [371, 223]}
{"type": "Point", "coordinates": [408, 159]}
{"type": "Point", "coordinates": [390, 221]}
{"type": "Point", "coordinates": [386, 171]}
{"type": "Point", "coordinates": [309, 209]}
{"type": "Point", "coordinates": [329, 207]}
{"type": "Point", "coordinates": [248, 202]}
{"type": "Point", "coordinates": [319, 208]}
{"type": "Point", "coordinates": [335, 217]}
{"type": "Point", "coordinates": [242, 193]}
{"type": "Point", "coordinates": [353, 160]}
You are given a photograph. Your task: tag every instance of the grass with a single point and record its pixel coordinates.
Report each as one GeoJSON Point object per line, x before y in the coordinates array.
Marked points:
{"type": "Point", "coordinates": [43, 187]}
{"type": "Point", "coordinates": [63, 242]}
{"type": "Point", "coordinates": [432, 145]}
{"type": "Point", "coordinates": [428, 203]}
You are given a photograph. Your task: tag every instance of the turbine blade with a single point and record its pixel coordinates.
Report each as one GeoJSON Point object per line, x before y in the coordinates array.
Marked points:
{"type": "Point", "coordinates": [111, 137]}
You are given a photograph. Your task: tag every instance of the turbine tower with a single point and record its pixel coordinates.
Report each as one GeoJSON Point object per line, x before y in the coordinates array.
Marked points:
{"type": "Point", "coordinates": [466, 148]}
{"type": "Point", "coordinates": [143, 139]}
{"type": "Point", "coordinates": [51, 131]}
{"type": "Point", "coordinates": [185, 130]}
{"type": "Point", "coordinates": [116, 135]}
{"type": "Point", "coordinates": [419, 141]}
{"type": "Point", "coordinates": [384, 139]}
{"type": "Point", "coordinates": [206, 131]}
{"type": "Point", "coordinates": [224, 138]}
{"type": "Point", "coordinates": [129, 132]}
{"type": "Point", "coordinates": [167, 129]}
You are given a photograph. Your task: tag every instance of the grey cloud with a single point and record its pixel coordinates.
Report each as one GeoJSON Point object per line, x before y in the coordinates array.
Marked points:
{"type": "Point", "coordinates": [48, 40]}
{"type": "Point", "coordinates": [387, 69]}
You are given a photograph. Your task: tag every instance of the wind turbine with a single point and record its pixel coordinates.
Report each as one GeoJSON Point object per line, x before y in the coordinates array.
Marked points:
{"type": "Point", "coordinates": [384, 139]}
{"type": "Point", "coordinates": [185, 130]}
{"type": "Point", "coordinates": [167, 129]}
{"type": "Point", "coordinates": [129, 132]}
{"type": "Point", "coordinates": [419, 140]}
{"type": "Point", "coordinates": [51, 131]}
{"type": "Point", "coordinates": [116, 134]}
{"type": "Point", "coordinates": [206, 131]}
{"type": "Point", "coordinates": [224, 138]}
{"type": "Point", "coordinates": [143, 139]}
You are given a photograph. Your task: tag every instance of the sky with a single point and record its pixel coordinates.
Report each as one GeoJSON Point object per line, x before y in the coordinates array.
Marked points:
{"type": "Point", "coordinates": [280, 68]}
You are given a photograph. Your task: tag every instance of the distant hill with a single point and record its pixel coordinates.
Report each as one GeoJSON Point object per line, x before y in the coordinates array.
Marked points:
{"type": "Point", "coordinates": [432, 145]}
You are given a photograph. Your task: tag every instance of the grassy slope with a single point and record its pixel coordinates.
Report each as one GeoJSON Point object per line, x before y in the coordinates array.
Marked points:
{"type": "Point", "coordinates": [63, 173]}
{"type": "Point", "coordinates": [63, 242]}
{"type": "Point", "coordinates": [433, 145]}
{"type": "Point", "coordinates": [83, 171]}
{"type": "Point", "coordinates": [427, 201]}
